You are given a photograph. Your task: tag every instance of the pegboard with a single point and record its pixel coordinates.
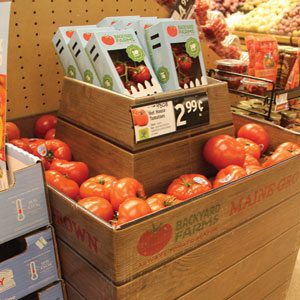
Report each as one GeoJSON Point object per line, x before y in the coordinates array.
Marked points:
{"type": "Point", "coordinates": [35, 75]}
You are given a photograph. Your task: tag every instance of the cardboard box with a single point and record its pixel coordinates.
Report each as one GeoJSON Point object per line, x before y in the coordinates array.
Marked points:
{"type": "Point", "coordinates": [191, 224]}
{"type": "Point", "coordinates": [60, 42]}
{"type": "Point", "coordinates": [77, 46]}
{"type": "Point", "coordinates": [33, 266]}
{"type": "Point", "coordinates": [55, 291]}
{"type": "Point", "coordinates": [23, 206]}
{"type": "Point", "coordinates": [105, 49]}
{"type": "Point", "coordinates": [166, 41]}
{"type": "Point", "coordinates": [85, 105]}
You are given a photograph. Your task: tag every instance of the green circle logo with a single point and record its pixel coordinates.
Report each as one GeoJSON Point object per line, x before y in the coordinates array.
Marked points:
{"type": "Point", "coordinates": [88, 76]}
{"type": "Point", "coordinates": [192, 47]}
{"type": "Point", "coordinates": [107, 82]}
{"type": "Point", "coordinates": [163, 75]}
{"type": "Point", "coordinates": [135, 53]}
{"type": "Point", "coordinates": [71, 71]}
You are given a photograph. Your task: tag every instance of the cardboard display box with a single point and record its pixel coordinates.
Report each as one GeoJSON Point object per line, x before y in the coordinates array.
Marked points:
{"type": "Point", "coordinates": [23, 207]}
{"type": "Point", "coordinates": [189, 224]}
{"type": "Point", "coordinates": [108, 114]}
{"type": "Point", "coordinates": [175, 159]}
{"type": "Point", "coordinates": [250, 257]}
{"type": "Point", "coordinates": [55, 291]}
{"type": "Point", "coordinates": [33, 265]}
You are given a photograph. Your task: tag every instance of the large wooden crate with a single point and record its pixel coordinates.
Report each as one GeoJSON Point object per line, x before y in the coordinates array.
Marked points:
{"type": "Point", "coordinates": [244, 258]}
{"type": "Point", "coordinates": [107, 113]}
{"type": "Point", "coordinates": [155, 167]}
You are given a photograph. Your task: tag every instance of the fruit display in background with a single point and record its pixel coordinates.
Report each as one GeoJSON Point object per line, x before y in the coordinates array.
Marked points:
{"type": "Point", "coordinates": [12, 131]}
{"type": "Point", "coordinates": [226, 7]}
{"type": "Point", "coordinates": [290, 22]}
{"type": "Point", "coordinates": [251, 4]}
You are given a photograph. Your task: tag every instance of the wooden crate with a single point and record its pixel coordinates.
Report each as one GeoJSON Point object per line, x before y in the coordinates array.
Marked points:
{"type": "Point", "coordinates": [277, 133]}
{"type": "Point", "coordinates": [107, 113]}
{"type": "Point", "coordinates": [239, 257]}
{"type": "Point", "coordinates": [192, 223]}
{"type": "Point", "coordinates": [73, 293]}
{"type": "Point", "coordinates": [175, 158]}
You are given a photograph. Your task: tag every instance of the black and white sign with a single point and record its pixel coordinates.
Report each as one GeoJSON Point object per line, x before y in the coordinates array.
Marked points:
{"type": "Point", "coordinates": [183, 10]}
{"type": "Point", "coordinates": [158, 119]}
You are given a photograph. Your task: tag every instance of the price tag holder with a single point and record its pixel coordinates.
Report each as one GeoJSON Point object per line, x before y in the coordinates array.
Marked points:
{"type": "Point", "coordinates": [184, 9]}
{"type": "Point", "coordinates": [281, 103]}
{"type": "Point", "coordinates": [162, 118]}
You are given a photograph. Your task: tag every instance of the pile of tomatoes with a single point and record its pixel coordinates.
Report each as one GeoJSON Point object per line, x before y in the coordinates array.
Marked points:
{"type": "Point", "coordinates": [132, 74]}
{"type": "Point", "coordinates": [119, 201]}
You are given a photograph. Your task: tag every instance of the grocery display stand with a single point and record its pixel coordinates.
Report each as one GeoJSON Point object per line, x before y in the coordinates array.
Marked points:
{"type": "Point", "coordinates": [243, 238]}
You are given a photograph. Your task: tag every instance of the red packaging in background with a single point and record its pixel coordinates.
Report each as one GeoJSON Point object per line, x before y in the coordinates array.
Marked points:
{"type": "Point", "coordinates": [263, 57]}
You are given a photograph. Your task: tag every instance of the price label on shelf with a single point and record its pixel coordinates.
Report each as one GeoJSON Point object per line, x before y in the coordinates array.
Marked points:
{"type": "Point", "coordinates": [281, 102]}
{"type": "Point", "coordinates": [158, 119]}
{"type": "Point", "coordinates": [183, 10]}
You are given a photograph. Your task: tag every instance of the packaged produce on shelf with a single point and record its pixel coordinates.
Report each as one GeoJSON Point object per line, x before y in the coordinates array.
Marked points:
{"type": "Point", "coordinates": [77, 46]}
{"type": "Point", "coordinates": [121, 63]}
{"type": "Point", "coordinates": [4, 33]}
{"type": "Point", "coordinates": [176, 54]}
{"type": "Point", "coordinates": [60, 42]}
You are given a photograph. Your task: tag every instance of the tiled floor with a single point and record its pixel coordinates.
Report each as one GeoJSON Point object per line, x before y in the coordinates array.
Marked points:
{"type": "Point", "coordinates": [294, 291]}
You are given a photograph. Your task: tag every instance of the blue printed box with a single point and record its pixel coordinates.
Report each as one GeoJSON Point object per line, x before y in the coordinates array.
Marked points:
{"type": "Point", "coordinates": [176, 54]}
{"type": "Point", "coordinates": [77, 46]}
{"type": "Point", "coordinates": [60, 42]}
{"type": "Point", "coordinates": [121, 63]}
{"type": "Point", "coordinates": [53, 292]}
{"type": "Point", "coordinates": [23, 207]}
{"type": "Point", "coordinates": [33, 266]}
{"type": "Point", "coordinates": [117, 22]}
{"type": "Point", "coordinates": [139, 28]}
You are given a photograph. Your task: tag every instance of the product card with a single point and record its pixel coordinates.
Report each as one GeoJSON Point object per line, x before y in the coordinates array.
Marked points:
{"type": "Point", "coordinates": [183, 10]}
{"type": "Point", "coordinates": [282, 103]}
{"type": "Point", "coordinates": [155, 120]}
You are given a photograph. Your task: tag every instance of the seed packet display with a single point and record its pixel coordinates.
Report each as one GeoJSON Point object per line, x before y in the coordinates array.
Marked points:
{"type": "Point", "coordinates": [77, 46]}
{"type": "Point", "coordinates": [60, 42]}
{"type": "Point", "coordinates": [121, 63]}
{"type": "Point", "coordinates": [4, 30]}
{"type": "Point", "coordinates": [176, 54]}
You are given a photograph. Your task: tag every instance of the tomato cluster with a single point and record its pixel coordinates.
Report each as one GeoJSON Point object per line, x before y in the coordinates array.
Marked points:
{"type": "Point", "coordinates": [132, 74]}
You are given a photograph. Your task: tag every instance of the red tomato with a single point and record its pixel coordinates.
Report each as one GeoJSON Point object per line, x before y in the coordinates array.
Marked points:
{"type": "Point", "coordinates": [140, 117]}
{"type": "Point", "coordinates": [120, 67]}
{"type": "Point", "coordinates": [66, 186]}
{"type": "Point", "coordinates": [12, 131]}
{"type": "Point", "coordinates": [188, 186]}
{"type": "Point", "coordinates": [128, 84]}
{"type": "Point", "coordinates": [125, 188]}
{"type": "Point", "coordinates": [161, 201]}
{"type": "Point", "coordinates": [153, 241]}
{"type": "Point", "coordinates": [229, 174]}
{"type": "Point", "coordinates": [250, 147]}
{"type": "Point", "coordinates": [289, 146]}
{"type": "Point", "coordinates": [139, 74]}
{"type": "Point", "coordinates": [184, 62]}
{"type": "Point", "coordinates": [250, 161]}
{"type": "Point", "coordinates": [21, 143]}
{"type": "Point", "coordinates": [184, 79]}
{"type": "Point", "coordinates": [250, 169]}
{"type": "Point", "coordinates": [43, 124]}
{"type": "Point", "coordinates": [49, 149]}
{"type": "Point", "coordinates": [133, 208]}
{"type": "Point", "coordinates": [75, 170]}
{"type": "Point", "coordinates": [99, 186]}
{"type": "Point", "coordinates": [100, 207]}
{"type": "Point", "coordinates": [223, 150]}
{"type": "Point", "coordinates": [50, 135]}
{"type": "Point", "coordinates": [277, 157]}
{"type": "Point", "coordinates": [255, 133]}
{"type": "Point", "coordinates": [2, 100]}
{"type": "Point", "coordinates": [34, 143]}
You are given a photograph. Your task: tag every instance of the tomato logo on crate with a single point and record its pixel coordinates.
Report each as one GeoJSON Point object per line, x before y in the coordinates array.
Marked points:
{"type": "Point", "coordinates": [153, 241]}
{"type": "Point", "coordinates": [108, 40]}
{"type": "Point", "coordinates": [172, 31]}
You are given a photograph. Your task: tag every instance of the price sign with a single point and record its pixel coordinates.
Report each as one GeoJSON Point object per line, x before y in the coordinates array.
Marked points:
{"type": "Point", "coordinates": [171, 116]}
{"type": "Point", "coordinates": [183, 10]}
